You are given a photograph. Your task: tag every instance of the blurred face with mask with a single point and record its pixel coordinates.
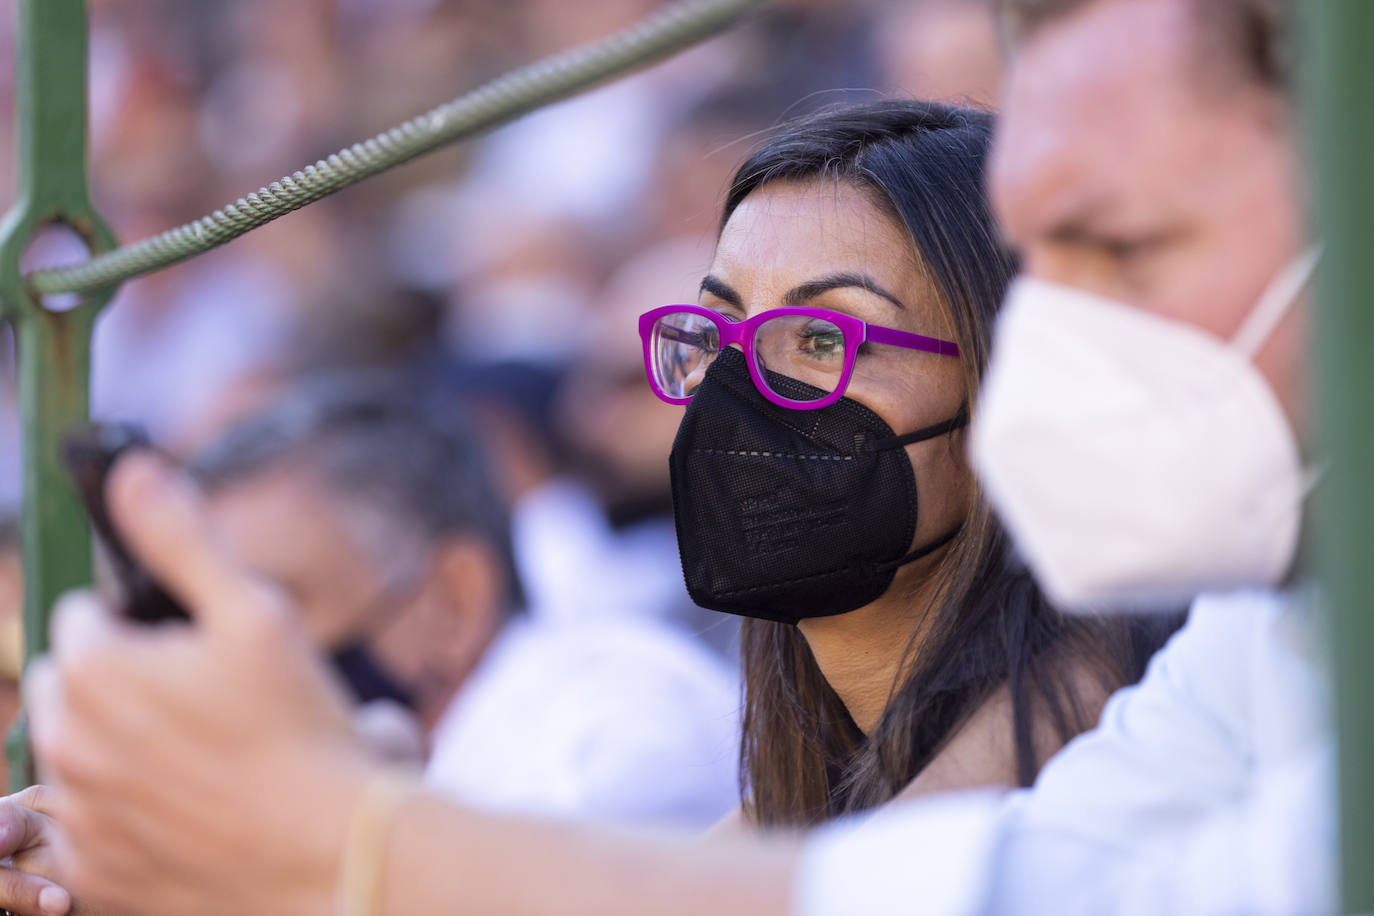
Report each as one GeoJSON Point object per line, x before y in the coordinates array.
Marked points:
{"type": "Point", "coordinates": [349, 506]}
{"type": "Point", "coordinates": [405, 630]}
{"type": "Point", "coordinates": [1144, 416]}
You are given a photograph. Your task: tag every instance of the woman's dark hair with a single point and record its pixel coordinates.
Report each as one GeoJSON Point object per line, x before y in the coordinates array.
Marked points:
{"type": "Point", "coordinates": [802, 758]}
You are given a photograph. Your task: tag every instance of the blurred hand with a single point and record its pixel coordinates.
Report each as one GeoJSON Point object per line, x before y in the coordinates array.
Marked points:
{"type": "Point", "coordinates": [208, 768]}
{"type": "Point", "coordinates": [27, 836]}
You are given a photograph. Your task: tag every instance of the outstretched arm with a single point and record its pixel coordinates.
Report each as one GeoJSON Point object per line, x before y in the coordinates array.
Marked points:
{"type": "Point", "coordinates": [530, 867]}
{"type": "Point", "coordinates": [211, 768]}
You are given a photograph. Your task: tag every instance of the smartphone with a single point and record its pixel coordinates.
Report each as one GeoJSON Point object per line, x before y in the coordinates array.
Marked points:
{"type": "Point", "coordinates": [90, 452]}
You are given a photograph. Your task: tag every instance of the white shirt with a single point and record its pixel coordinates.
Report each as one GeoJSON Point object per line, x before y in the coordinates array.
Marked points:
{"type": "Point", "coordinates": [1205, 789]}
{"type": "Point", "coordinates": [571, 565]}
{"type": "Point", "coordinates": [605, 721]}
{"type": "Point", "coordinates": [561, 534]}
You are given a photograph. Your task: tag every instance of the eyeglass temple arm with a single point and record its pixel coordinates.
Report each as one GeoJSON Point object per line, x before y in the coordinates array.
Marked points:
{"type": "Point", "coordinates": [910, 341]}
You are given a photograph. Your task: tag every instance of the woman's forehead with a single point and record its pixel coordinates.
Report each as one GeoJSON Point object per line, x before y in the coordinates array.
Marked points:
{"type": "Point", "coordinates": [832, 219]}
{"type": "Point", "coordinates": [789, 233]}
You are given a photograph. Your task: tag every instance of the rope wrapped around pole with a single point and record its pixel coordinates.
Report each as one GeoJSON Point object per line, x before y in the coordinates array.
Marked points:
{"type": "Point", "coordinates": [505, 98]}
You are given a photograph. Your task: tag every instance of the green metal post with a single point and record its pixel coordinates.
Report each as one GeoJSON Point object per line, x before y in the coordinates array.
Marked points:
{"type": "Point", "coordinates": [1341, 49]}
{"type": "Point", "coordinates": [53, 347]}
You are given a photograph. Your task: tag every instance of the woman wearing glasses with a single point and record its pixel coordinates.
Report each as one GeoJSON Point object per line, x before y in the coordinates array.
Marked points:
{"type": "Point", "coordinates": [828, 372]}
{"type": "Point", "coordinates": [820, 486]}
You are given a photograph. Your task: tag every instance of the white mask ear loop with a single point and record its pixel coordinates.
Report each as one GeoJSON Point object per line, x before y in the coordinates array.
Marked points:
{"type": "Point", "coordinates": [1268, 312]}
{"type": "Point", "coordinates": [1275, 303]}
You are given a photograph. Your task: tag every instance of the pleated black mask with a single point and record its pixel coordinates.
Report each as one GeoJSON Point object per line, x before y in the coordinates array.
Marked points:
{"type": "Point", "coordinates": [789, 514]}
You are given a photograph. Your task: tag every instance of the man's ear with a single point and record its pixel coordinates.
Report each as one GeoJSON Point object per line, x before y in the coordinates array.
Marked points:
{"type": "Point", "coordinates": [473, 598]}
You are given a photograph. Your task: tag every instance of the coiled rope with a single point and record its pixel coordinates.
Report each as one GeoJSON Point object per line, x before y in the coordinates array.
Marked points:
{"type": "Point", "coordinates": [495, 103]}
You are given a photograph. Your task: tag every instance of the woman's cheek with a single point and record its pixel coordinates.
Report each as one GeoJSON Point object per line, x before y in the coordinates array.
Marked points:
{"type": "Point", "coordinates": [944, 485]}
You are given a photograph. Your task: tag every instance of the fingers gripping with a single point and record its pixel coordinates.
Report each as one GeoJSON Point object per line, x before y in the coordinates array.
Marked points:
{"type": "Point", "coordinates": [23, 830]}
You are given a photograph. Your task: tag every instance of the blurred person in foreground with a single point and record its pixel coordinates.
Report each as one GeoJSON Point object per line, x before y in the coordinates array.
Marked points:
{"type": "Point", "coordinates": [1149, 155]}
{"type": "Point", "coordinates": [372, 505]}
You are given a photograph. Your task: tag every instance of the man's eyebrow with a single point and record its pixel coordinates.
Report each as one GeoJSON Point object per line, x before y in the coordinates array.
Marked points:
{"type": "Point", "coordinates": [718, 288]}
{"type": "Point", "coordinates": [800, 295]}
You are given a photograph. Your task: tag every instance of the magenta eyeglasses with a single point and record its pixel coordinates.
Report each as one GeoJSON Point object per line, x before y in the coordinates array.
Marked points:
{"type": "Point", "coordinates": [815, 346]}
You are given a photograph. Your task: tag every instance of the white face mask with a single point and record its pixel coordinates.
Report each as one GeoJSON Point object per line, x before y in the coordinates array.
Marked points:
{"type": "Point", "coordinates": [1136, 460]}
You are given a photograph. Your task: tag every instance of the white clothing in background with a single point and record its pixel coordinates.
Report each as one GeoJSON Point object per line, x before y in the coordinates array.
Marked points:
{"type": "Point", "coordinates": [1206, 789]}
{"type": "Point", "coordinates": [567, 556]}
{"type": "Point", "coordinates": [612, 722]}
{"type": "Point", "coordinates": [575, 568]}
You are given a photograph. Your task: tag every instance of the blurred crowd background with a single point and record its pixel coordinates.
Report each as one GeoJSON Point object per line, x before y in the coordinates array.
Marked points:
{"type": "Point", "coordinates": [519, 261]}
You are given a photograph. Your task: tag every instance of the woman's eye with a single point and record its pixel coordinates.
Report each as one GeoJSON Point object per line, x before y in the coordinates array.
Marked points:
{"type": "Point", "coordinates": [823, 339]}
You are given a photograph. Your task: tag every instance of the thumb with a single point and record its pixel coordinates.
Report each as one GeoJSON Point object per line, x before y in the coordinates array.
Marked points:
{"type": "Point", "coordinates": [23, 893]}
{"type": "Point", "coordinates": [160, 513]}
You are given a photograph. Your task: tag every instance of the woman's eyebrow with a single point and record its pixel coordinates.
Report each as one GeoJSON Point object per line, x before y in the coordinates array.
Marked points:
{"type": "Point", "coordinates": [718, 288]}
{"type": "Point", "coordinates": [800, 295]}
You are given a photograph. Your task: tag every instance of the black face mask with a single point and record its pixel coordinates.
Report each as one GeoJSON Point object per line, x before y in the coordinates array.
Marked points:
{"type": "Point", "coordinates": [367, 680]}
{"type": "Point", "coordinates": [788, 514]}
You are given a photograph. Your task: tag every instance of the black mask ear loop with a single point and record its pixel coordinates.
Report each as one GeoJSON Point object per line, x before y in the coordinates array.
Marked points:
{"type": "Point", "coordinates": [958, 421]}
{"type": "Point", "coordinates": [924, 551]}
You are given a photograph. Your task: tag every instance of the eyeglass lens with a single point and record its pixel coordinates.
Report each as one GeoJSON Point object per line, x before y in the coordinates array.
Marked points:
{"type": "Point", "coordinates": [804, 348]}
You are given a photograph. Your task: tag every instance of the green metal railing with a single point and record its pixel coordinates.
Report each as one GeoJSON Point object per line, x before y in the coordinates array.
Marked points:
{"type": "Point", "coordinates": [54, 346]}
{"type": "Point", "coordinates": [1340, 45]}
